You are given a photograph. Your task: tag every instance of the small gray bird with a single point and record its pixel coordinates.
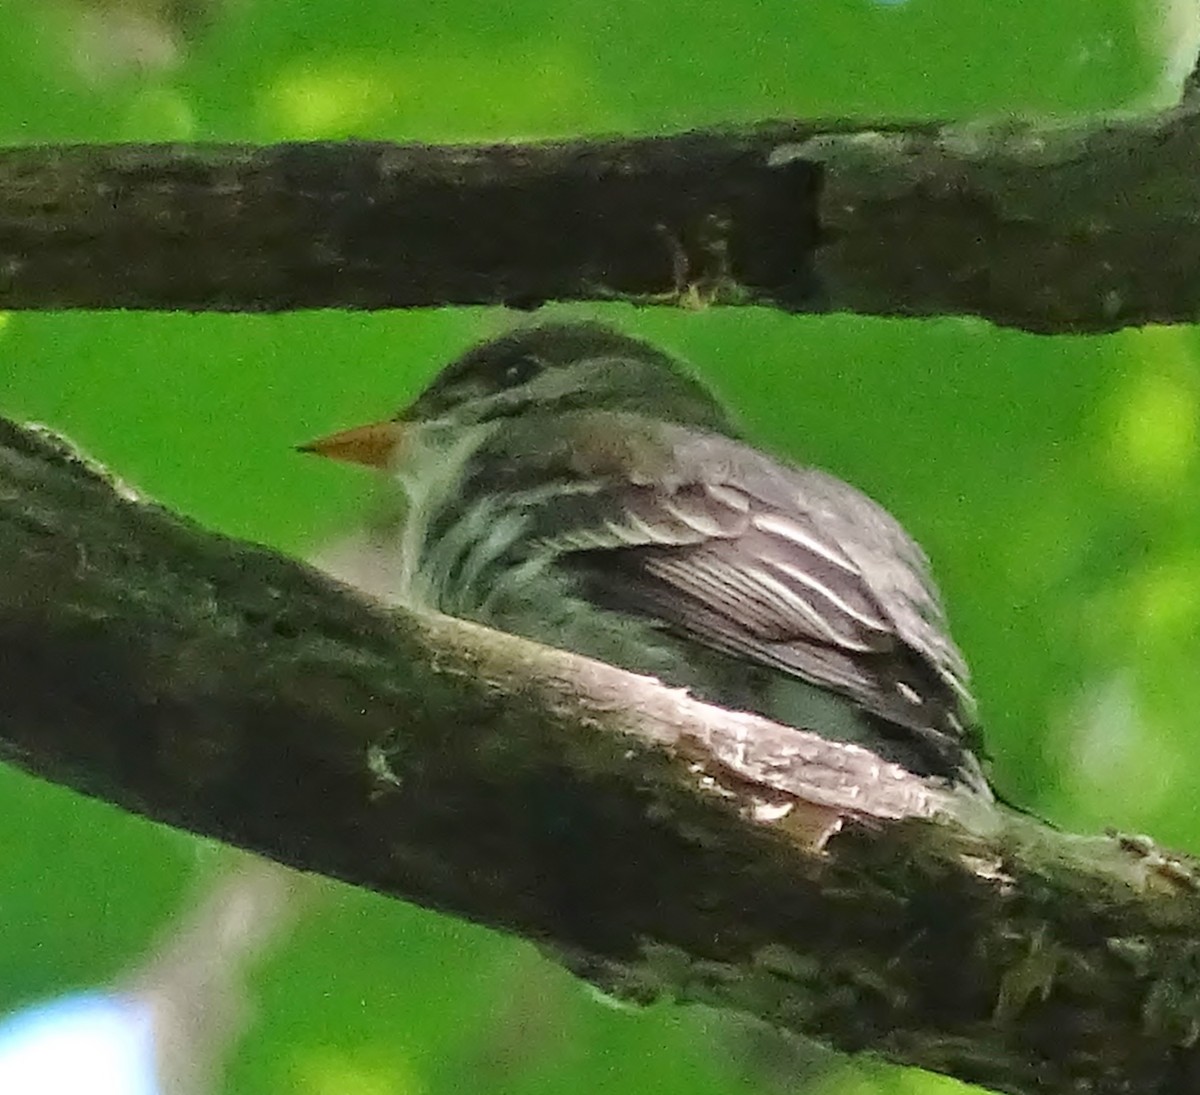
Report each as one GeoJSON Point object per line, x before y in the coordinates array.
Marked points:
{"type": "Point", "coordinates": [573, 485]}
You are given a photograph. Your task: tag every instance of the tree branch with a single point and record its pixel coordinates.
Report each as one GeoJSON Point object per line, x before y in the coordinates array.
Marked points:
{"type": "Point", "coordinates": [1081, 227]}
{"type": "Point", "coordinates": [654, 843]}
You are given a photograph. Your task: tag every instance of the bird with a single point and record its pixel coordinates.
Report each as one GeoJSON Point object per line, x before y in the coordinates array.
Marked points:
{"type": "Point", "coordinates": [579, 486]}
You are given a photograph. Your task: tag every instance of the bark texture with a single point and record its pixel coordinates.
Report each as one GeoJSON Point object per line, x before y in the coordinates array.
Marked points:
{"type": "Point", "coordinates": [1067, 227]}
{"type": "Point", "coordinates": [656, 844]}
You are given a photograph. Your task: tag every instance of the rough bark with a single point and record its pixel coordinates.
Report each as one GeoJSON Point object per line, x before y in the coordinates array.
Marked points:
{"type": "Point", "coordinates": [1087, 226]}
{"type": "Point", "coordinates": [655, 843]}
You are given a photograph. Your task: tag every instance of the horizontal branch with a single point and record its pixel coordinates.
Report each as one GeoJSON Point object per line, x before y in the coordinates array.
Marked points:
{"type": "Point", "coordinates": [656, 844]}
{"type": "Point", "coordinates": [1082, 227]}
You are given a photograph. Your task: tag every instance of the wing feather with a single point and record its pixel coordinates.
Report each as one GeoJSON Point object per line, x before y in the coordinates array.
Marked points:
{"type": "Point", "coordinates": [780, 566]}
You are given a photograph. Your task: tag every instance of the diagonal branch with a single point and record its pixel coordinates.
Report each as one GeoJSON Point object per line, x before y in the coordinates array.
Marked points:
{"type": "Point", "coordinates": [1088, 226]}
{"type": "Point", "coordinates": [655, 843]}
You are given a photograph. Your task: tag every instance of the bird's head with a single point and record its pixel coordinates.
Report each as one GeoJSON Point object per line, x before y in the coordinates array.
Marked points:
{"type": "Point", "coordinates": [540, 371]}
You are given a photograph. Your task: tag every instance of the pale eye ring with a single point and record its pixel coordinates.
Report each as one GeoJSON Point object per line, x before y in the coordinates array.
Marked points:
{"type": "Point", "coordinates": [521, 370]}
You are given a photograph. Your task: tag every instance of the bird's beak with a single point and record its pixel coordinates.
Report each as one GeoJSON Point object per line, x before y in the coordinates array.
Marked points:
{"type": "Point", "coordinates": [376, 444]}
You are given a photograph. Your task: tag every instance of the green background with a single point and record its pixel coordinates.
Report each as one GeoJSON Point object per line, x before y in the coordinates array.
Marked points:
{"type": "Point", "coordinates": [1054, 481]}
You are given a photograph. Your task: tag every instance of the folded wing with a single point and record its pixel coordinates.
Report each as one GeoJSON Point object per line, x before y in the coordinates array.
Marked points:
{"type": "Point", "coordinates": [785, 567]}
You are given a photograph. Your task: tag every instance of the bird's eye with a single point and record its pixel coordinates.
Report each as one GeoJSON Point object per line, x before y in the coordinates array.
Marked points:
{"type": "Point", "coordinates": [521, 370]}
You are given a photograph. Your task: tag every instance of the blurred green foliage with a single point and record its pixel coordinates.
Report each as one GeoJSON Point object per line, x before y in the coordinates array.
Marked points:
{"type": "Point", "coordinates": [1053, 480]}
